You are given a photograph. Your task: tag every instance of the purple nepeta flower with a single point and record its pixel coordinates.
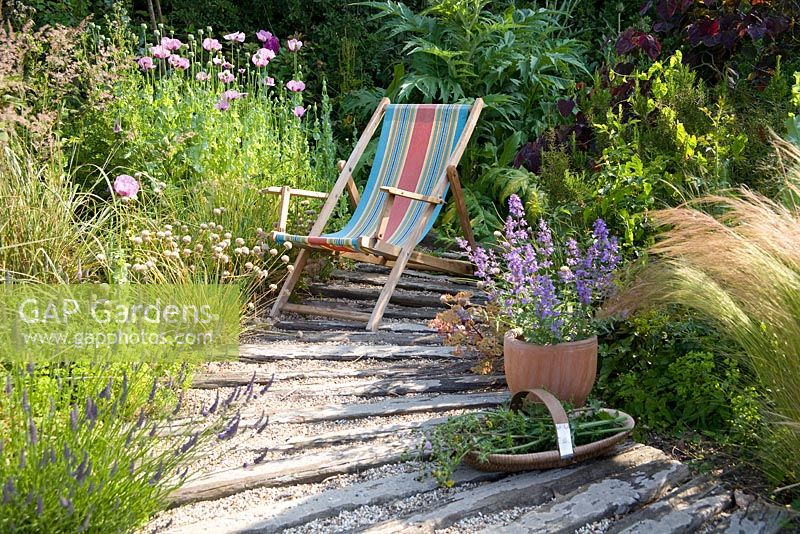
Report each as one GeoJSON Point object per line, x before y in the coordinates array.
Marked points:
{"type": "Point", "coordinates": [515, 207]}
{"type": "Point", "coordinates": [546, 290]}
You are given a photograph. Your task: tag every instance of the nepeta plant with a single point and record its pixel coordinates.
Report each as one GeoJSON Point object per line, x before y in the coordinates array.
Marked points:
{"type": "Point", "coordinates": [546, 292]}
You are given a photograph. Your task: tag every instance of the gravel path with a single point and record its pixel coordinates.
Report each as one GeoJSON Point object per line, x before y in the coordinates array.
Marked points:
{"type": "Point", "coordinates": [352, 488]}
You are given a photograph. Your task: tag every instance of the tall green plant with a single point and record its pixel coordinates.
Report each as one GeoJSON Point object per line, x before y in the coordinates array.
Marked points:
{"type": "Point", "coordinates": [740, 268]}
{"type": "Point", "coordinates": [518, 60]}
{"type": "Point", "coordinates": [47, 229]}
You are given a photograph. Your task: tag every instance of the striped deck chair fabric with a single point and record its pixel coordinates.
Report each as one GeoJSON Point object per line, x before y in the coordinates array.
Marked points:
{"type": "Point", "coordinates": [414, 147]}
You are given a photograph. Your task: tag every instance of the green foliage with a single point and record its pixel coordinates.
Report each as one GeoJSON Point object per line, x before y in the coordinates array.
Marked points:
{"type": "Point", "coordinates": [659, 368]}
{"type": "Point", "coordinates": [793, 122]}
{"type": "Point", "coordinates": [81, 450]}
{"type": "Point", "coordinates": [656, 137]}
{"type": "Point", "coordinates": [518, 60]}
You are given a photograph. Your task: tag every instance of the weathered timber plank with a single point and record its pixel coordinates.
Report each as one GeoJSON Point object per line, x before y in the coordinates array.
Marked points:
{"type": "Point", "coordinates": [683, 510]}
{"type": "Point", "coordinates": [396, 386]}
{"type": "Point", "coordinates": [759, 518]}
{"type": "Point", "coordinates": [326, 311]}
{"type": "Point", "coordinates": [413, 283]}
{"type": "Point", "coordinates": [393, 311]}
{"type": "Point", "coordinates": [322, 325]}
{"type": "Point", "coordinates": [402, 386]}
{"type": "Point", "coordinates": [527, 489]}
{"type": "Point", "coordinates": [403, 298]}
{"type": "Point", "coordinates": [277, 516]}
{"type": "Point", "coordinates": [383, 408]}
{"type": "Point", "coordinates": [604, 498]}
{"type": "Point", "coordinates": [413, 273]}
{"type": "Point", "coordinates": [304, 470]}
{"type": "Point", "coordinates": [387, 407]}
{"type": "Point", "coordinates": [222, 379]}
{"type": "Point", "coordinates": [339, 437]}
{"type": "Point", "coordinates": [337, 352]}
{"type": "Point", "coordinates": [378, 338]}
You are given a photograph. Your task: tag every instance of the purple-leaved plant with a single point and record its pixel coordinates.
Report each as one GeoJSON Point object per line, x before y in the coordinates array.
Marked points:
{"type": "Point", "coordinates": [545, 291]}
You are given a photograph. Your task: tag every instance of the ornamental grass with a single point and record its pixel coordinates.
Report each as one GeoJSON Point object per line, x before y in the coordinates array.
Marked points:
{"type": "Point", "coordinates": [736, 260]}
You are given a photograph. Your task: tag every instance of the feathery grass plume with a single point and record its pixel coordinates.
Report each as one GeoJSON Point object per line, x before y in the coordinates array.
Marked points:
{"type": "Point", "coordinates": [736, 260]}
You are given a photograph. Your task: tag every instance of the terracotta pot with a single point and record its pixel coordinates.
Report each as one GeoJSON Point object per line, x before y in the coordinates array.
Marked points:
{"type": "Point", "coordinates": [567, 370]}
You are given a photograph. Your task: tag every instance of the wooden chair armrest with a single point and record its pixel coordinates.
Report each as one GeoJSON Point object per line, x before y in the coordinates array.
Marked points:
{"type": "Point", "coordinates": [410, 194]}
{"type": "Point", "coordinates": [278, 190]}
{"type": "Point", "coordinates": [286, 193]}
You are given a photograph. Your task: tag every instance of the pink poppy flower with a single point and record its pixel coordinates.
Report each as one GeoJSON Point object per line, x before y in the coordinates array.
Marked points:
{"type": "Point", "coordinates": [201, 76]}
{"type": "Point", "coordinates": [126, 186]}
{"type": "Point", "coordinates": [227, 65]}
{"type": "Point", "coordinates": [171, 44]}
{"type": "Point", "coordinates": [299, 111]}
{"type": "Point", "coordinates": [225, 76]}
{"type": "Point", "coordinates": [294, 45]}
{"type": "Point", "coordinates": [146, 63]}
{"type": "Point", "coordinates": [295, 85]}
{"type": "Point", "coordinates": [178, 62]}
{"type": "Point", "coordinates": [268, 81]}
{"type": "Point", "coordinates": [270, 41]}
{"type": "Point", "coordinates": [211, 45]}
{"type": "Point", "coordinates": [222, 105]}
{"type": "Point", "coordinates": [262, 57]}
{"type": "Point", "coordinates": [160, 52]}
{"type": "Point", "coordinates": [232, 94]}
{"type": "Point", "coordinates": [237, 37]}
{"type": "Point", "coordinates": [242, 71]}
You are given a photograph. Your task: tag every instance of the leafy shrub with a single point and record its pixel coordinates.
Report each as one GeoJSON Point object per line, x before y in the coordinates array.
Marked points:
{"type": "Point", "coordinates": [659, 368]}
{"type": "Point", "coordinates": [48, 75]}
{"type": "Point", "coordinates": [637, 140]}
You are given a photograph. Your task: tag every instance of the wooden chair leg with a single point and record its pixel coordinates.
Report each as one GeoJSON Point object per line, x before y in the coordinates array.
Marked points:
{"type": "Point", "coordinates": [461, 206]}
{"type": "Point", "coordinates": [388, 289]}
{"type": "Point", "coordinates": [291, 281]}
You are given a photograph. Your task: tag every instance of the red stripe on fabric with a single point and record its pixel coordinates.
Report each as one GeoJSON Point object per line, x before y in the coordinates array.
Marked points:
{"type": "Point", "coordinates": [322, 242]}
{"type": "Point", "coordinates": [412, 167]}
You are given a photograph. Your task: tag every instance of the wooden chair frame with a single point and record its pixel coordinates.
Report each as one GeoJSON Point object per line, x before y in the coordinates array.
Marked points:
{"type": "Point", "coordinates": [374, 249]}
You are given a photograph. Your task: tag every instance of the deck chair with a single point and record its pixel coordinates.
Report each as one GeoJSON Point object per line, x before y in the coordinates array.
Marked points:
{"type": "Point", "coordinates": [415, 164]}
